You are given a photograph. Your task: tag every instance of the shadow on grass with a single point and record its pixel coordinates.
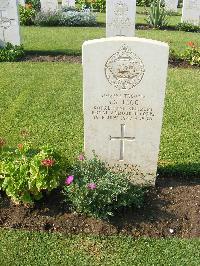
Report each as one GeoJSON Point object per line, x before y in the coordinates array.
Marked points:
{"type": "Point", "coordinates": [181, 171]}
{"type": "Point", "coordinates": [68, 52]}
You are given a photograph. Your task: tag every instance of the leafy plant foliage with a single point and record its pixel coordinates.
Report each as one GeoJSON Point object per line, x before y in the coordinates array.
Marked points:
{"type": "Point", "coordinates": [26, 173]}
{"type": "Point", "coordinates": [185, 26]}
{"type": "Point", "coordinates": [157, 15]}
{"type": "Point", "coordinates": [192, 54]}
{"type": "Point", "coordinates": [97, 190]}
{"type": "Point", "coordinates": [27, 15]}
{"type": "Point", "coordinates": [10, 53]}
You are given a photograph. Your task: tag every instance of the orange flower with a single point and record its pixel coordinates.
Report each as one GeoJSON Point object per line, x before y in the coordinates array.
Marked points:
{"type": "Point", "coordinates": [2, 142]}
{"type": "Point", "coordinates": [28, 6]}
{"type": "Point", "coordinates": [20, 146]}
{"type": "Point", "coordinates": [191, 44]}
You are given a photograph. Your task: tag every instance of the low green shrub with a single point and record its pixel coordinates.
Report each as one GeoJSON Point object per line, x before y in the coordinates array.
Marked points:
{"type": "Point", "coordinates": [192, 54]}
{"type": "Point", "coordinates": [157, 15]}
{"type": "Point", "coordinates": [97, 190]}
{"type": "Point", "coordinates": [185, 26]}
{"type": "Point", "coordinates": [27, 15]}
{"type": "Point", "coordinates": [69, 18]}
{"type": "Point", "coordinates": [11, 53]}
{"type": "Point", "coordinates": [26, 173]}
{"type": "Point", "coordinates": [48, 18]}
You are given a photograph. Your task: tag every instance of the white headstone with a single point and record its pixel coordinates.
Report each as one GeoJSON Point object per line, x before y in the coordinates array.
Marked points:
{"type": "Point", "coordinates": [124, 83]}
{"type": "Point", "coordinates": [191, 12]}
{"type": "Point", "coordinates": [9, 22]}
{"type": "Point", "coordinates": [21, 2]}
{"type": "Point", "coordinates": [120, 18]}
{"type": "Point", "coordinates": [68, 3]}
{"type": "Point", "coordinates": [171, 5]}
{"type": "Point", "coordinates": [49, 5]}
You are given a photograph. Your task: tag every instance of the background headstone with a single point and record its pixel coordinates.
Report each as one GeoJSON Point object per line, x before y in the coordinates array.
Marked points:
{"type": "Point", "coordinates": [120, 18]}
{"type": "Point", "coordinates": [124, 89]}
{"type": "Point", "coordinates": [21, 2]}
{"type": "Point", "coordinates": [49, 5]}
{"type": "Point", "coordinates": [68, 3]}
{"type": "Point", "coordinates": [191, 12]}
{"type": "Point", "coordinates": [9, 22]}
{"type": "Point", "coordinates": [171, 5]}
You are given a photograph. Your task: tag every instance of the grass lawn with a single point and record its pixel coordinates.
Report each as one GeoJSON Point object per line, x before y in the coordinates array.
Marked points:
{"type": "Point", "coordinates": [69, 40]}
{"type": "Point", "coordinates": [24, 248]}
{"type": "Point", "coordinates": [46, 98]}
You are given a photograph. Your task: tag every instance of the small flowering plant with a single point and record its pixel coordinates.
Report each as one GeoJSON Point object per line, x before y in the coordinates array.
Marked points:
{"type": "Point", "coordinates": [26, 173]}
{"type": "Point", "coordinates": [192, 54]}
{"type": "Point", "coordinates": [96, 190]}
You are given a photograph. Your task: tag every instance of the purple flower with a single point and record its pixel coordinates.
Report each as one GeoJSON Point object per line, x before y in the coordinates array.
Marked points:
{"type": "Point", "coordinates": [81, 157]}
{"type": "Point", "coordinates": [92, 186]}
{"type": "Point", "coordinates": [69, 180]}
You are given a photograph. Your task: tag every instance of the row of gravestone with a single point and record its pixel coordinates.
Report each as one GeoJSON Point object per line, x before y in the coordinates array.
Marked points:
{"type": "Point", "coordinates": [120, 17]}
{"type": "Point", "coordinates": [49, 5]}
{"type": "Point", "coordinates": [124, 80]}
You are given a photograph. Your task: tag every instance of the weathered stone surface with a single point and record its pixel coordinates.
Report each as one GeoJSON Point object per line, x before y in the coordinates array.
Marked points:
{"type": "Point", "coordinates": [120, 18]}
{"type": "Point", "coordinates": [68, 3]}
{"type": "Point", "coordinates": [191, 12]}
{"type": "Point", "coordinates": [171, 5]}
{"type": "Point", "coordinates": [124, 87]}
{"type": "Point", "coordinates": [49, 5]}
{"type": "Point", "coordinates": [9, 22]}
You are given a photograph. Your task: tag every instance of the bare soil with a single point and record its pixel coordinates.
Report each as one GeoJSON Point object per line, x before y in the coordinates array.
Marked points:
{"type": "Point", "coordinates": [52, 58]}
{"type": "Point", "coordinates": [78, 60]}
{"type": "Point", "coordinates": [172, 208]}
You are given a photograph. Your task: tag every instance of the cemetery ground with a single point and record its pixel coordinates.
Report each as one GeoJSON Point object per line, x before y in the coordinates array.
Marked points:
{"type": "Point", "coordinates": [47, 101]}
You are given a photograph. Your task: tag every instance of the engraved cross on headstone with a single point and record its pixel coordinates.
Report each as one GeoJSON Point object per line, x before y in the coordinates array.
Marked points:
{"type": "Point", "coordinates": [122, 138]}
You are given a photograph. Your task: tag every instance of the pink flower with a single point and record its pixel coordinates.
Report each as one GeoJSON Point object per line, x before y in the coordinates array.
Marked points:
{"type": "Point", "coordinates": [81, 157]}
{"type": "Point", "coordinates": [92, 186]}
{"type": "Point", "coordinates": [69, 180]}
{"type": "Point", "coordinates": [48, 162]}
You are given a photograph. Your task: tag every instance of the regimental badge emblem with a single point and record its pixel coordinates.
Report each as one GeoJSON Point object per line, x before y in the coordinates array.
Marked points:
{"type": "Point", "coordinates": [124, 69]}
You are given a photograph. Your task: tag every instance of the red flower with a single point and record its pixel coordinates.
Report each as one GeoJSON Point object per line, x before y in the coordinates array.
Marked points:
{"type": "Point", "coordinates": [2, 142]}
{"type": "Point", "coordinates": [191, 44]}
{"type": "Point", "coordinates": [48, 162]}
{"type": "Point", "coordinates": [20, 146]}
